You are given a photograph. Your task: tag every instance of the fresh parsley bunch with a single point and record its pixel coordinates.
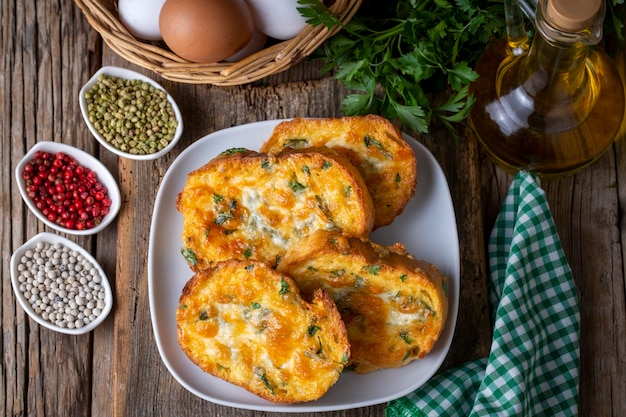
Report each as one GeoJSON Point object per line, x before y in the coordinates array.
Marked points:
{"type": "Point", "coordinates": [400, 58]}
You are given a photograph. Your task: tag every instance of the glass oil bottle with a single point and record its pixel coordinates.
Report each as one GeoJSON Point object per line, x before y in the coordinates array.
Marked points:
{"type": "Point", "coordinates": [555, 106]}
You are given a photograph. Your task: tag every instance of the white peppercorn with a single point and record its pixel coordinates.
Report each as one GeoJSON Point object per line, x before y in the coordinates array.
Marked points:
{"type": "Point", "coordinates": [48, 277]}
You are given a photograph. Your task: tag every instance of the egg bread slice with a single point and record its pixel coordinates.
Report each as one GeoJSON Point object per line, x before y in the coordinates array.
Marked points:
{"type": "Point", "coordinates": [394, 306]}
{"type": "Point", "coordinates": [371, 143]}
{"type": "Point", "coordinates": [245, 323]}
{"type": "Point", "coordinates": [248, 205]}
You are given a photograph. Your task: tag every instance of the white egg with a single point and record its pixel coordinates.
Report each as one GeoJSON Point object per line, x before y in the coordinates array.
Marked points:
{"type": "Point", "coordinates": [279, 19]}
{"type": "Point", "coordinates": [141, 17]}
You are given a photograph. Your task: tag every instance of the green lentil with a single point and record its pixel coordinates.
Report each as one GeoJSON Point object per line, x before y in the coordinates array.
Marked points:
{"type": "Point", "coordinates": [131, 115]}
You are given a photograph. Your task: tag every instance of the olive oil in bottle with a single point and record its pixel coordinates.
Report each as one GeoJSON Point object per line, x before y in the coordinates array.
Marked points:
{"type": "Point", "coordinates": [557, 106]}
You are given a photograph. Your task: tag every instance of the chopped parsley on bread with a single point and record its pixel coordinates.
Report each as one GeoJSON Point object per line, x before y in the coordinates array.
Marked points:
{"type": "Point", "coordinates": [371, 143]}
{"type": "Point", "coordinates": [393, 305]}
{"type": "Point", "coordinates": [245, 323]}
{"type": "Point", "coordinates": [248, 205]}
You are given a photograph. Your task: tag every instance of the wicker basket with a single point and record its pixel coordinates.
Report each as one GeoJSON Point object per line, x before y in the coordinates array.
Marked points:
{"type": "Point", "coordinates": [103, 17]}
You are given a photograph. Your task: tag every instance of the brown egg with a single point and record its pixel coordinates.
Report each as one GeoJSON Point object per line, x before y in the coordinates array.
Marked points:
{"type": "Point", "coordinates": [206, 31]}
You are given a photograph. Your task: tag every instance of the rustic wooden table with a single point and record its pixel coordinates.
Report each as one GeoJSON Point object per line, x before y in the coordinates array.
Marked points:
{"type": "Point", "coordinates": [48, 51]}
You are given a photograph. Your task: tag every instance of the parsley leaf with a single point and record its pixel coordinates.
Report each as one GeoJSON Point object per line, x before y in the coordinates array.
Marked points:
{"type": "Point", "coordinates": [189, 255]}
{"type": "Point", "coordinates": [316, 13]}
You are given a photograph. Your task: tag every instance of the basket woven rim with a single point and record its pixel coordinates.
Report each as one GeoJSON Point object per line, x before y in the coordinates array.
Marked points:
{"type": "Point", "coordinates": [271, 60]}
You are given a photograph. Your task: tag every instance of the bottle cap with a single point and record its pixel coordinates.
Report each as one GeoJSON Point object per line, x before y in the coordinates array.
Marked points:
{"type": "Point", "coordinates": [573, 15]}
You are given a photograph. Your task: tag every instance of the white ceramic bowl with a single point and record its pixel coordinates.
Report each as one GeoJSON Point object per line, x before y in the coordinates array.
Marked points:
{"type": "Point", "coordinates": [129, 75]}
{"type": "Point", "coordinates": [84, 159]}
{"type": "Point", "coordinates": [52, 239]}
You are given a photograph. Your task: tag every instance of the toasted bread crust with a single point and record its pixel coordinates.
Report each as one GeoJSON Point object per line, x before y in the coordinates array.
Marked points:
{"type": "Point", "coordinates": [371, 143]}
{"type": "Point", "coordinates": [243, 322]}
{"type": "Point", "coordinates": [247, 205]}
{"type": "Point", "coordinates": [393, 305]}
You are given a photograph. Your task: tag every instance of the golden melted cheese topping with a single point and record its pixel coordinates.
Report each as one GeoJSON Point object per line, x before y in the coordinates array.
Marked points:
{"type": "Point", "coordinates": [371, 143]}
{"type": "Point", "coordinates": [254, 206]}
{"type": "Point", "coordinates": [394, 306]}
{"type": "Point", "coordinates": [245, 323]}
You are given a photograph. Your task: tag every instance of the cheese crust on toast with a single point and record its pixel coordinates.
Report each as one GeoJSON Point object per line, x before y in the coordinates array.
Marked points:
{"type": "Point", "coordinates": [245, 323]}
{"type": "Point", "coordinates": [247, 205]}
{"type": "Point", "coordinates": [394, 306]}
{"type": "Point", "coordinates": [371, 143]}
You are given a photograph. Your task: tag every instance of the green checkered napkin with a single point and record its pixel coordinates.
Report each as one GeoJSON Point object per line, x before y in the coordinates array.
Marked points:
{"type": "Point", "coordinates": [532, 369]}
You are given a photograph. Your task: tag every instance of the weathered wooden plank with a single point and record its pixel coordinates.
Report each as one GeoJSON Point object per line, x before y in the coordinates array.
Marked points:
{"type": "Point", "coordinates": [44, 371]}
{"type": "Point", "coordinates": [618, 393]}
{"type": "Point", "coordinates": [586, 206]}
{"type": "Point", "coordinates": [460, 162]}
{"type": "Point", "coordinates": [14, 320]}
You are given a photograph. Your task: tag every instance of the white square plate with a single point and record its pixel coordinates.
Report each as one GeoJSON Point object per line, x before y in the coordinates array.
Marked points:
{"type": "Point", "coordinates": [427, 228]}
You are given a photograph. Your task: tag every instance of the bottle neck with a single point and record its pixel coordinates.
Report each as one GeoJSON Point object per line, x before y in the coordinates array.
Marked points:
{"type": "Point", "coordinates": [559, 56]}
{"type": "Point", "coordinates": [557, 62]}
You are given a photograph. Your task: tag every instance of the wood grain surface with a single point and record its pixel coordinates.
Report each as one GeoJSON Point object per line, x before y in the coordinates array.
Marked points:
{"type": "Point", "coordinates": [48, 51]}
